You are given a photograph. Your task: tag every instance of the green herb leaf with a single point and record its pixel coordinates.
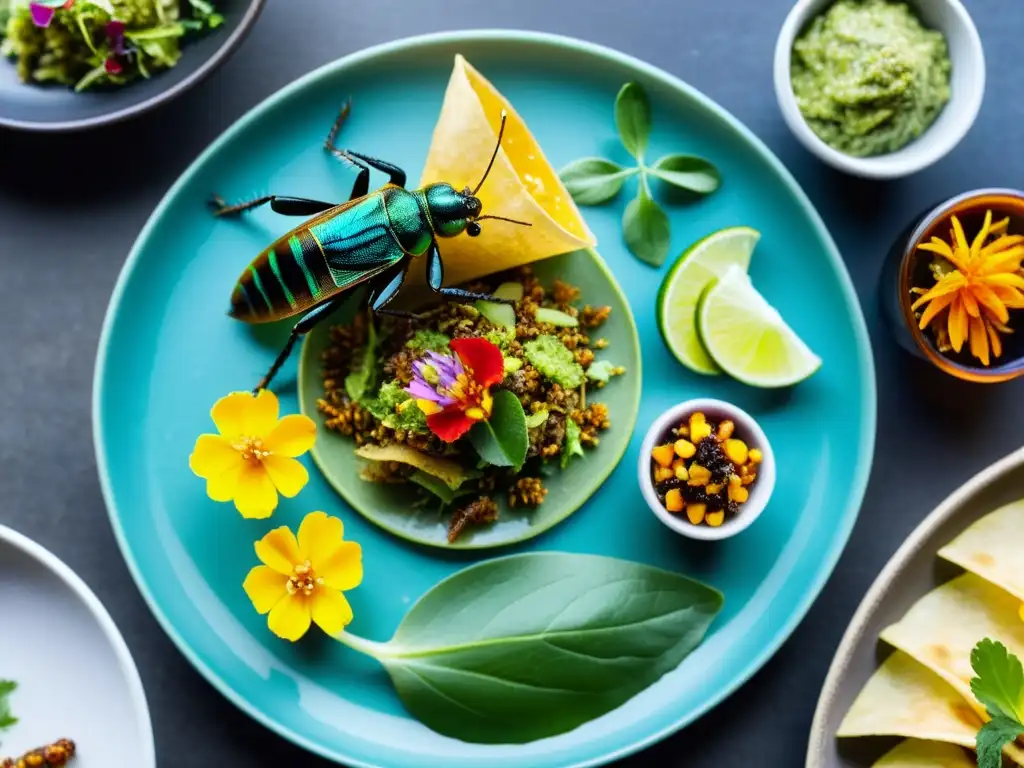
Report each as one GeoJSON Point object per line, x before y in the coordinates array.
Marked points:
{"type": "Point", "coordinates": [437, 487]}
{"type": "Point", "coordinates": [529, 646]}
{"type": "Point", "coordinates": [633, 118]}
{"type": "Point", "coordinates": [688, 172]}
{"type": "Point", "coordinates": [999, 681]}
{"type": "Point", "coordinates": [594, 180]}
{"type": "Point", "coordinates": [360, 380]}
{"type": "Point", "coordinates": [554, 360]}
{"type": "Point", "coordinates": [502, 440]}
{"type": "Point", "coordinates": [645, 227]}
{"type": "Point", "coordinates": [535, 419]}
{"type": "Point", "coordinates": [572, 445]}
{"type": "Point", "coordinates": [993, 736]}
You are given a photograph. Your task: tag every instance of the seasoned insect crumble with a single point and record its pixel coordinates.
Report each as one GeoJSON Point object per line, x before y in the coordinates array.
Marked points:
{"type": "Point", "coordinates": [551, 364]}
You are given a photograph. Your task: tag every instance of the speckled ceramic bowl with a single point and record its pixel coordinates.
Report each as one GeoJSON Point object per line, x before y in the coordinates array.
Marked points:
{"type": "Point", "coordinates": [912, 572]}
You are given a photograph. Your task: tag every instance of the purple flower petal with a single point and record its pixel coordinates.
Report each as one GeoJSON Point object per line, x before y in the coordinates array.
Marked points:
{"type": "Point", "coordinates": [422, 391]}
{"type": "Point", "coordinates": [115, 33]}
{"type": "Point", "coordinates": [41, 15]}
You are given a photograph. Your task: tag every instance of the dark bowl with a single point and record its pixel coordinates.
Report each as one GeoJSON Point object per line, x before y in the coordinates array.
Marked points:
{"type": "Point", "coordinates": [57, 108]}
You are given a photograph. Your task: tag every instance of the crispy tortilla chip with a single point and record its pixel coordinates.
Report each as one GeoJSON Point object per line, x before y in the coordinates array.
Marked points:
{"type": "Point", "coordinates": [914, 753]}
{"type": "Point", "coordinates": [991, 548]}
{"type": "Point", "coordinates": [943, 626]}
{"type": "Point", "coordinates": [904, 698]}
{"type": "Point", "coordinates": [521, 185]}
{"type": "Point", "coordinates": [451, 473]}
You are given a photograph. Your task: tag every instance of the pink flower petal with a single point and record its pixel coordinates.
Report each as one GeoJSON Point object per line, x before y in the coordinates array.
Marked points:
{"type": "Point", "coordinates": [41, 15]}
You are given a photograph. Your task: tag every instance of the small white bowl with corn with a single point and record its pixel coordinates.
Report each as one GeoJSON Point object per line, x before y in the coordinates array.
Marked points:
{"type": "Point", "coordinates": [745, 440]}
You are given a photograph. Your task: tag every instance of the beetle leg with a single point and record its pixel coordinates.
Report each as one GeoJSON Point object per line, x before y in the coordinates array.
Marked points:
{"type": "Point", "coordinates": [395, 174]}
{"type": "Point", "coordinates": [362, 185]}
{"type": "Point", "coordinates": [304, 326]}
{"type": "Point", "coordinates": [287, 206]}
{"type": "Point", "coordinates": [435, 278]}
{"type": "Point", "coordinates": [384, 288]}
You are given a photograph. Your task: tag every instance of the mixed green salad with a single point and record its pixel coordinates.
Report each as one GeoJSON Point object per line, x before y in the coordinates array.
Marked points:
{"type": "Point", "coordinates": [87, 43]}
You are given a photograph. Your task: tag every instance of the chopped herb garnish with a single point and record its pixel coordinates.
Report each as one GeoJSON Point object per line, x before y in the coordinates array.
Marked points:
{"type": "Point", "coordinates": [999, 685]}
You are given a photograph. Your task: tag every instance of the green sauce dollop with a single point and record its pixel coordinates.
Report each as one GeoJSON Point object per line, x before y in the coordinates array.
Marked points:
{"type": "Point", "coordinates": [868, 77]}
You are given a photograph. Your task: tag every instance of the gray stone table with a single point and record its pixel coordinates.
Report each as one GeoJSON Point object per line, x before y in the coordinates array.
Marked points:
{"type": "Point", "coordinates": [69, 213]}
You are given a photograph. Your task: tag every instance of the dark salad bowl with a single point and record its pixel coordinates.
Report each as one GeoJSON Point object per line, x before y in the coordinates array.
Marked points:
{"type": "Point", "coordinates": [58, 108]}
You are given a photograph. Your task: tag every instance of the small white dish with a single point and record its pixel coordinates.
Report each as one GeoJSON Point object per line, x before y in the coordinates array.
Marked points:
{"type": "Point", "coordinates": [76, 678]}
{"type": "Point", "coordinates": [747, 429]}
{"type": "Point", "coordinates": [967, 86]}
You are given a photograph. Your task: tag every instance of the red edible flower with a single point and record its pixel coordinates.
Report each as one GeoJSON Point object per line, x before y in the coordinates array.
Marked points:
{"type": "Point", "coordinates": [454, 390]}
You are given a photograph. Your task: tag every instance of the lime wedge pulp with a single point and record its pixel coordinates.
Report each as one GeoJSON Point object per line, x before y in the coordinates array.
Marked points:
{"type": "Point", "coordinates": [699, 266]}
{"type": "Point", "coordinates": [748, 338]}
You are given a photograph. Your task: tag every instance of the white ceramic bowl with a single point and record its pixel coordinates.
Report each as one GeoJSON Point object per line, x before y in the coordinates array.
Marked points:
{"type": "Point", "coordinates": [967, 86]}
{"type": "Point", "coordinates": [747, 430]}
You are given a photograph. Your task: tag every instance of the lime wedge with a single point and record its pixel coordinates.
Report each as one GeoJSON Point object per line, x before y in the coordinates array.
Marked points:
{"type": "Point", "coordinates": [748, 338]}
{"type": "Point", "coordinates": [699, 265]}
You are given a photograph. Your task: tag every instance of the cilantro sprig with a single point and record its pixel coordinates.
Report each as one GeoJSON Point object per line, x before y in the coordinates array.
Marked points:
{"type": "Point", "coordinates": [999, 685]}
{"type": "Point", "coordinates": [595, 180]}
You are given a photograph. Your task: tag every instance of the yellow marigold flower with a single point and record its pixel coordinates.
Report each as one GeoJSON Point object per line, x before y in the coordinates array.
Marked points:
{"type": "Point", "coordinates": [972, 297]}
{"type": "Point", "coordinates": [302, 579]}
{"type": "Point", "coordinates": [253, 457]}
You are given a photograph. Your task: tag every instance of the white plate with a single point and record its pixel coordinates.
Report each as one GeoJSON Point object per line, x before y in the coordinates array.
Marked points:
{"type": "Point", "coordinates": [76, 678]}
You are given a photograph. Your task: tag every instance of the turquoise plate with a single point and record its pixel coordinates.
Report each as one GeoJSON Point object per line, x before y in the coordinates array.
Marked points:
{"type": "Point", "coordinates": [168, 352]}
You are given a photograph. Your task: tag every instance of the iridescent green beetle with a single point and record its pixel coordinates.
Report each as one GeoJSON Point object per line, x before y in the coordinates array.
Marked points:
{"type": "Point", "coordinates": [373, 238]}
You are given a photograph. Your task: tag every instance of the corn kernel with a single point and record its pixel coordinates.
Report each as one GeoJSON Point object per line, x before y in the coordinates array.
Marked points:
{"type": "Point", "coordinates": [699, 475]}
{"type": "Point", "coordinates": [695, 512]}
{"type": "Point", "coordinates": [696, 418]}
{"type": "Point", "coordinates": [725, 430]}
{"type": "Point", "coordinates": [700, 429]}
{"type": "Point", "coordinates": [715, 487]}
{"type": "Point", "coordinates": [738, 493]}
{"type": "Point", "coordinates": [715, 519]}
{"type": "Point", "coordinates": [661, 474]}
{"type": "Point", "coordinates": [755, 455]}
{"type": "Point", "coordinates": [685, 449]}
{"type": "Point", "coordinates": [664, 454]}
{"type": "Point", "coordinates": [681, 473]}
{"type": "Point", "coordinates": [736, 450]}
{"type": "Point", "coordinates": [674, 500]}
{"type": "Point", "coordinates": [734, 481]}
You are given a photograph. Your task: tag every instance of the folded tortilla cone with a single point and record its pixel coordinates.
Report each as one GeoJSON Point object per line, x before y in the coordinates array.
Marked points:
{"type": "Point", "coordinates": [915, 753]}
{"type": "Point", "coordinates": [942, 628]}
{"type": "Point", "coordinates": [905, 698]}
{"type": "Point", "coordinates": [521, 185]}
{"type": "Point", "coordinates": [991, 548]}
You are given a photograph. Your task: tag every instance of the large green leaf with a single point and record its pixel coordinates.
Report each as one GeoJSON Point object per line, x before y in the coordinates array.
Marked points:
{"type": "Point", "coordinates": [533, 645]}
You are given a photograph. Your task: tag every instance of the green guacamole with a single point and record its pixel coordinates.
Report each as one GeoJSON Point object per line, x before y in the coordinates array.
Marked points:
{"type": "Point", "coordinates": [868, 77]}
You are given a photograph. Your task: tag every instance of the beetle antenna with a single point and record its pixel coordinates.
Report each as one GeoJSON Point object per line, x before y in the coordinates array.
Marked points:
{"type": "Point", "coordinates": [497, 146]}
{"type": "Point", "coordinates": [504, 218]}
